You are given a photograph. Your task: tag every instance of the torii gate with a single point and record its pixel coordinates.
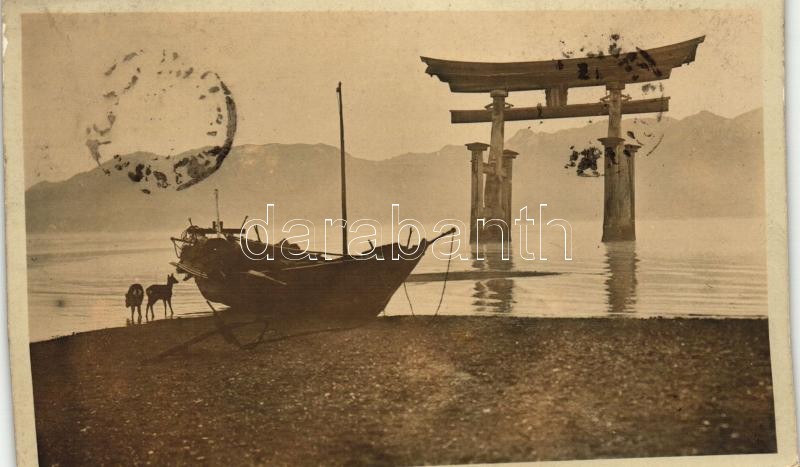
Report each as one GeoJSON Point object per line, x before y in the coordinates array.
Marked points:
{"type": "Point", "coordinates": [556, 77]}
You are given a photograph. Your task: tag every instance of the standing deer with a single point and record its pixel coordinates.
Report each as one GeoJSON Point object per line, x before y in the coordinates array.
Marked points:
{"type": "Point", "coordinates": [160, 292]}
{"type": "Point", "coordinates": [133, 300]}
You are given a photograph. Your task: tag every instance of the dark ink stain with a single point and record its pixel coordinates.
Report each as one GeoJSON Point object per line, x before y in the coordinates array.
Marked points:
{"type": "Point", "coordinates": [584, 160]}
{"type": "Point", "coordinates": [161, 179]}
{"type": "Point", "coordinates": [131, 83]}
{"type": "Point", "coordinates": [100, 131]}
{"type": "Point", "coordinates": [611, 155]}
{"type": "Point", "coordinates": [138, 175]}
{"type": "Point", "coordinates": [648, 58]}
{"type": "Point", "coordinates": [192, 168]}
{"type": "Point", "coordinates": [655, 146]}
{"type": "Point", "coordinates": [613, 48]}
{"type": "Point", "coordinates": [583, 70]}
{"type": "Point", "coordinates": [94, 148]}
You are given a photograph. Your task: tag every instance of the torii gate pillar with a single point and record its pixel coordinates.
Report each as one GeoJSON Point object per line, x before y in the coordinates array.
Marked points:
{"type": "Point", "coordinates": [496, 184]}
{"type": "Point", "coordinates": [476, 198]}
{"type": "Point", "coordinates": [508, 168]}
{"type": "Point", "coordinates": [619, 219]}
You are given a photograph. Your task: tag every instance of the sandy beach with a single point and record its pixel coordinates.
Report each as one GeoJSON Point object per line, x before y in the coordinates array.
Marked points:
{"type": "Point", "coordinates": [401, 391]}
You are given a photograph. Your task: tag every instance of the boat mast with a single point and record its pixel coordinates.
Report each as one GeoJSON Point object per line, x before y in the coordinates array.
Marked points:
{"type": "Point", "coordinates": [344, 182]}
{"type": "Point", "coordinates": [216, 202]}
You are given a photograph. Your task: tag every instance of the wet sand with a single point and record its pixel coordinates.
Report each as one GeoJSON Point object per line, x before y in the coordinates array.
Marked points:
{"type": "Point", "coordinates": [407, 391]}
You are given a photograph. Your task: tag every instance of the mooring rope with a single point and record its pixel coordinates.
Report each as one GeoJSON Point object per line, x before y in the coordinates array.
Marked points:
{"type": "Point", "coordinates": [444, 283]}
{"type": "Point", "coordinates": [444, 287]}
{"type": "Point", "coordinates": [411, 305]}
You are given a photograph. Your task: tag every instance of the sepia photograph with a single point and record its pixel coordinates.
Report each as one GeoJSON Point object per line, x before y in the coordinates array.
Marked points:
{"type": "Point", "coordinates": [293, 235]}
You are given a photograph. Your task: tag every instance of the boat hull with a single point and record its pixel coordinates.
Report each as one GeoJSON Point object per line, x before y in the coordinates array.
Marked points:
{"type": "Point", "coordinates": [342, 288]}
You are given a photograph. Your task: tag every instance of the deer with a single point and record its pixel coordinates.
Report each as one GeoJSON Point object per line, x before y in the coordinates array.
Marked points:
{"type": "Point", "coordinates": [133, 300]}
{"type": "Point", "coordinates": [158, 292]}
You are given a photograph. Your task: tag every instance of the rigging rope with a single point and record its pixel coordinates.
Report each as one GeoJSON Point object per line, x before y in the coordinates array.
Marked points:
{"type": "Point", "coordinates": [444, 287]}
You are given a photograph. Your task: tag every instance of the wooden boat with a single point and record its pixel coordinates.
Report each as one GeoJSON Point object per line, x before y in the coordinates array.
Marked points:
{"type": "Point", "coordinates": [321, 285]}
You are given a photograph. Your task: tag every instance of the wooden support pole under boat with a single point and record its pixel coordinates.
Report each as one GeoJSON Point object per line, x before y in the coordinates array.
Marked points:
{"type": "Point", "coordinates": [476, 188]}
{"type": "Point", "coordinates": [343, 175]}
{"type": "Point", "coordinates": [618, 217]}
{"type": "Point", "coordinates": [545, 112]}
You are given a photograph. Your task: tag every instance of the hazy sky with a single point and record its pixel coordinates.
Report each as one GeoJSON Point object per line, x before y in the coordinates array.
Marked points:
{"type": "Point", "coordinates": [282, 69]}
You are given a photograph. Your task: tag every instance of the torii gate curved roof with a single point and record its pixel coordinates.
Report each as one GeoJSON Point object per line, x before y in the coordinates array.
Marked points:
{"type": "Point", "coordinates": [625, 67]}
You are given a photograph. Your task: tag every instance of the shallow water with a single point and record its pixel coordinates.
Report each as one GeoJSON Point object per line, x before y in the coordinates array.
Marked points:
{"type": "Point", "coordinates": [695, 267]}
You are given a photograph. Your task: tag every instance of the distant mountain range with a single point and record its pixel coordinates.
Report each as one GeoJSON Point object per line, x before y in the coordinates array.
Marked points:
{"type": "Point", "coordinates": [704, 166]}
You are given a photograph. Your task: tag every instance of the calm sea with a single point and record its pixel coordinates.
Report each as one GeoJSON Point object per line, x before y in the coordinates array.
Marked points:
{"type": "Point", "coordinates": [695, 267]}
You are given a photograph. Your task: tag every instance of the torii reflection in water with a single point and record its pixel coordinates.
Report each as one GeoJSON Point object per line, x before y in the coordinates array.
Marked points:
{"type": "Point", "coordinates": [494, 295]}
{"type": "Point", "coordinates": [621, 279]}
